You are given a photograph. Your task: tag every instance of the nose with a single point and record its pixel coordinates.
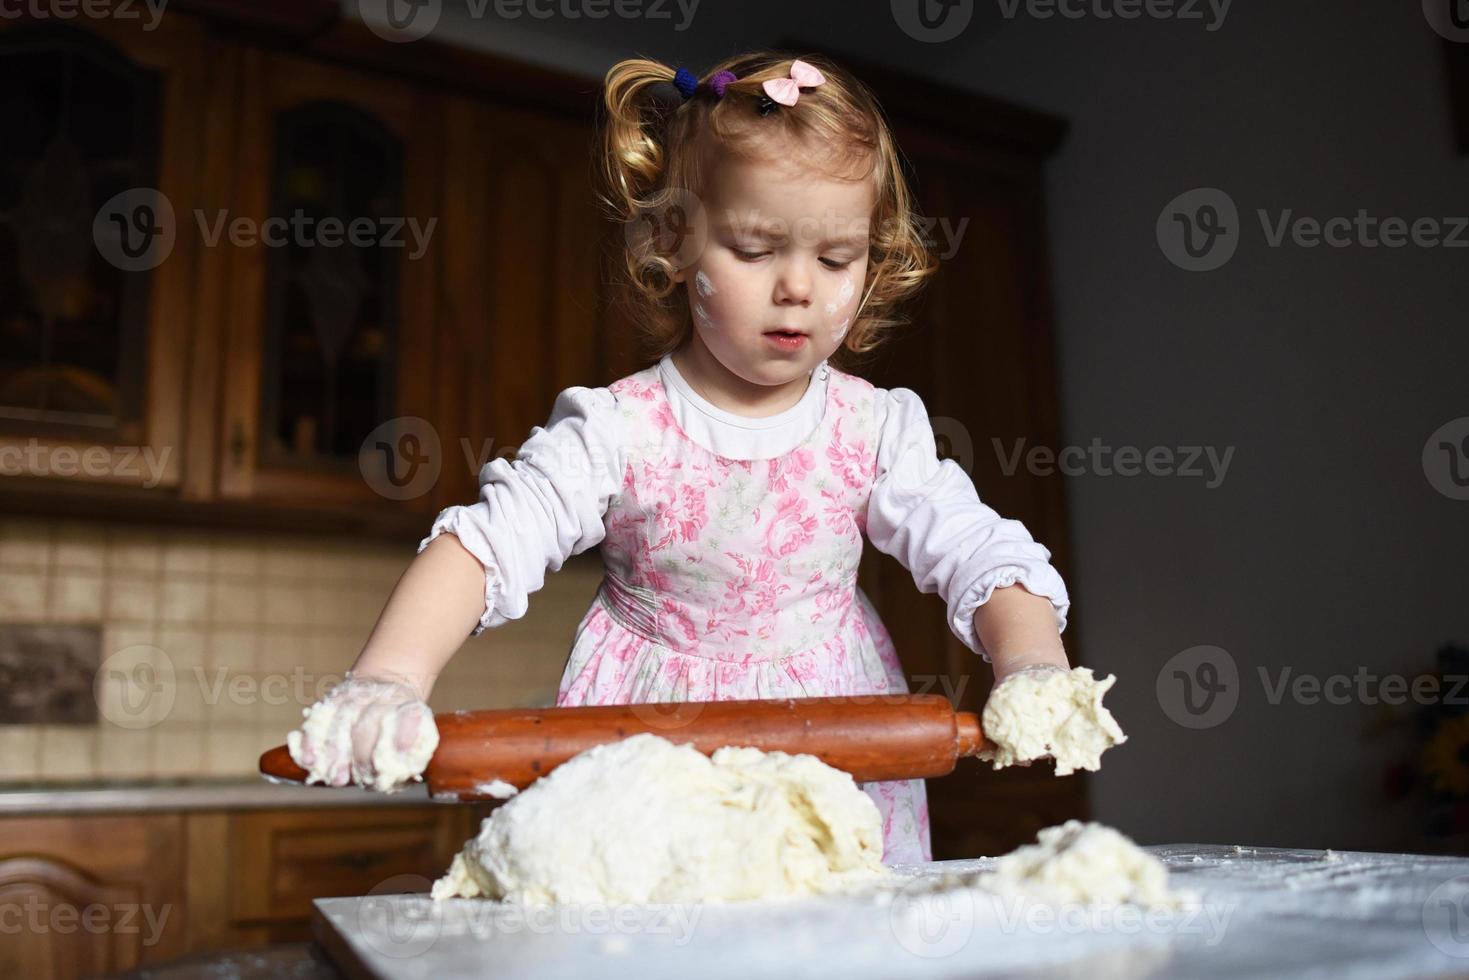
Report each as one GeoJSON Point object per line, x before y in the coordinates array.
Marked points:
{"type": "Point", "coordinates": [793, 284]}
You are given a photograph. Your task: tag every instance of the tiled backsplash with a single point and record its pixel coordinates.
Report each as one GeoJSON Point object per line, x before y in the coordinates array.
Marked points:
{"type": "Point", "coordinates": [236, 630]}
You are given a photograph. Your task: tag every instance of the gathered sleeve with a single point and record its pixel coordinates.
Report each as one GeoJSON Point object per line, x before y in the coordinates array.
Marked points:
{"type": "Point", "coordinates": [925, 512]}
{"type": "Point", "coordinates": [543, 506]}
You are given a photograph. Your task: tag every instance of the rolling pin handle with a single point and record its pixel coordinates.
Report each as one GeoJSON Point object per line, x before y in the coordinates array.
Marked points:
{"type": "Point", "coordinates": [968, 735]}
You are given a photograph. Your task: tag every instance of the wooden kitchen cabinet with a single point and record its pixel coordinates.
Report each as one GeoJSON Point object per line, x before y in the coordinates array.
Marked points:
{"type": "Point", "coordinates": [163, 884]}
{"type": "Point", "coordinates": [354, 853]}
{"type": "Point", "coordinates": [96, 309]}
{"type": "Point", "coordinates": [325, 343]}
{"type": "Point", "coordinates": [90, 895]}
{"type": "Point", "coordinates": [521, 317]}
{"type": "Point", "coordinates": [261, 370]}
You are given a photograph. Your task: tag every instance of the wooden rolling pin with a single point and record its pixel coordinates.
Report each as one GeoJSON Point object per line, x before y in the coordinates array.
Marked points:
{"type": "Point", "coordinates": [876, 737]}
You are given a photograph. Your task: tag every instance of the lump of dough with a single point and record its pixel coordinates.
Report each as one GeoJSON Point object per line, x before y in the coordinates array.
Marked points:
{"type": "Point", "coordinates": [1084, 863]}
{"type": "Point", "coordinates": [643, 820]}
{"type": "Point", "coordinates": [1050, 712]}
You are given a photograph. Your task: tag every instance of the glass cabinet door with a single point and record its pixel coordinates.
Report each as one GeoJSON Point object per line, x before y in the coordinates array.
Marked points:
{"type": "Point", "coordinates": [330, 314]}
{"type": "Point", "coordinates": [81, 126]}
{"type": "Point", "coordinates": [331, 310]}
{"type": "Point", "coordinates": [94, 290]}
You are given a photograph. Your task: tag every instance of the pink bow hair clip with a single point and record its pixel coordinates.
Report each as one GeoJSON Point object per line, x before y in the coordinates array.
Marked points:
{"type": "Point", "coordinates": [787, 90]}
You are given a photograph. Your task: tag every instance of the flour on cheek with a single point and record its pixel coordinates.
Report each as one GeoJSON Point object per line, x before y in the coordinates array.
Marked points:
{"type": "Point", "coordinates": [844, 296]}
{"type": "Point", "coordinates": [705, 287]}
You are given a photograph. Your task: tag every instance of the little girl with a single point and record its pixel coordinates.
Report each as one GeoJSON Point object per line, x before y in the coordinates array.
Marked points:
{"type": "Point", "coordinates": [730, 483]}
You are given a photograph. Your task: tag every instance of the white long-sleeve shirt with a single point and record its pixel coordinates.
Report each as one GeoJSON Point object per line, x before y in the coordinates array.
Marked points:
{"type": "Point", "coordinates": [547, 504]}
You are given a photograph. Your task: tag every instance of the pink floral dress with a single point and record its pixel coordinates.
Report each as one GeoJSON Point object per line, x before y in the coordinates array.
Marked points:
{"type": "Point", "coordinates": [730, 579]}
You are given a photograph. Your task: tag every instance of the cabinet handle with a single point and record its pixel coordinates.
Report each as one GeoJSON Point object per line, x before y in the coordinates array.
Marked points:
{"type": "Point", "coordinates": [238, 444]}
{"type": "Point", "coordinates": [359, 860]}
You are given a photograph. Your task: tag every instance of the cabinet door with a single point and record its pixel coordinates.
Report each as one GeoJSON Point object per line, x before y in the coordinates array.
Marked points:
{"type": "Point", "coordinates": [253, 874]}
{"type": "Point", "coordinates": [521, 238]}
{"type": "Point", "coordinates": [98, 173]}
{"type": "Point", "coordinates": [328, 250]}
{"type": "Point", "coordinates": [94, 895]}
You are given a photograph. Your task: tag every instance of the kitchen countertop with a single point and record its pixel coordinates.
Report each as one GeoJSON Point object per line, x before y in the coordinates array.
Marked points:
{"type": "Point", "coordinates": [296, 961]}
{"type": "Point", "coordinates": [41, 799]}
{"type": "Point", "coordinates": [1259, 912]}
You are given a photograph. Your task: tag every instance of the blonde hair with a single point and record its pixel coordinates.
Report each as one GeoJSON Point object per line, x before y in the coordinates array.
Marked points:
{"type": "Point", "coordinates": [653, 154]}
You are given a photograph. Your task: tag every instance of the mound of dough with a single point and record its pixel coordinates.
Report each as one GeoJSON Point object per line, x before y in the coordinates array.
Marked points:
{"type": "Point", "coordinates": [1050, 712]}
{"type": "Point", "coordinates": [644, 820]}
{"type": "Point", "coordinates": [1084, 863]}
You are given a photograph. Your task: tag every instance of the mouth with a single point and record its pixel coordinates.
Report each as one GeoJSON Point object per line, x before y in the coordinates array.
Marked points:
{"type": "Point", "coordinates": [786, 339]}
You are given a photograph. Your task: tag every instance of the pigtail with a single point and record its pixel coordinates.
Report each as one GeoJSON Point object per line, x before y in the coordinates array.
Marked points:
{"type": "Point", "coordinates": [640, 105]}
{"type": "Point", "coordinates": [632, 149]}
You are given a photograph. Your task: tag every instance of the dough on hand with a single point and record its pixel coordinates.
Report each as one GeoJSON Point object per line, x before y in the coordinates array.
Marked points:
{"type": "Point", "coordinates": [1050, 712]}
{"type": "Point", "coordinates": [643, 820]}
{"type": "Point", "coordinates": [1083, 863]}
{"type": "Point", "coordinates": [328, 730]}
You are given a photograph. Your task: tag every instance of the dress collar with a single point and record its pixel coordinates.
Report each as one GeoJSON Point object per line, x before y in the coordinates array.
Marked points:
{"type": "Point", "coordinates": [814, 395]}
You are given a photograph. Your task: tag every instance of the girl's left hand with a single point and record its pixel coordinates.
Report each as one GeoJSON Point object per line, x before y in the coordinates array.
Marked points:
{"type": "Point", "coordinates": [1002, 675]}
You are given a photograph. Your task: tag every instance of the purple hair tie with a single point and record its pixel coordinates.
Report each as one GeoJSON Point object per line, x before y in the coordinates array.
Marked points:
{"type": "Point", "coordinates": [720, 81]}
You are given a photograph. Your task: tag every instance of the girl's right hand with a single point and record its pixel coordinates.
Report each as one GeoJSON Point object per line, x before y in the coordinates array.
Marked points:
{"type": "Point", "coordinates": [370, 731]}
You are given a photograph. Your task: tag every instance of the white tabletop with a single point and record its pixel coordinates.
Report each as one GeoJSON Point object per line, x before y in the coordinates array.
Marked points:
{"type": "Point", "coordinates": [1260, 912]}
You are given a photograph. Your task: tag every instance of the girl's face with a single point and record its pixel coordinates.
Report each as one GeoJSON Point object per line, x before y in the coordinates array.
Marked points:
{"type": "Point", "coordinates": [786, 251]}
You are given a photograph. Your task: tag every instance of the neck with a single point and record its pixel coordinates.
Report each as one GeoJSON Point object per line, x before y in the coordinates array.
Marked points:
{"type": "Point", "coordinates": [726, 390]}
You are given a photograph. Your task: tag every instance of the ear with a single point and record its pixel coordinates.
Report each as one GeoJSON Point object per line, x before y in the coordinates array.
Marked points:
{"type": "Point", "coordinates": [681, 275]}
